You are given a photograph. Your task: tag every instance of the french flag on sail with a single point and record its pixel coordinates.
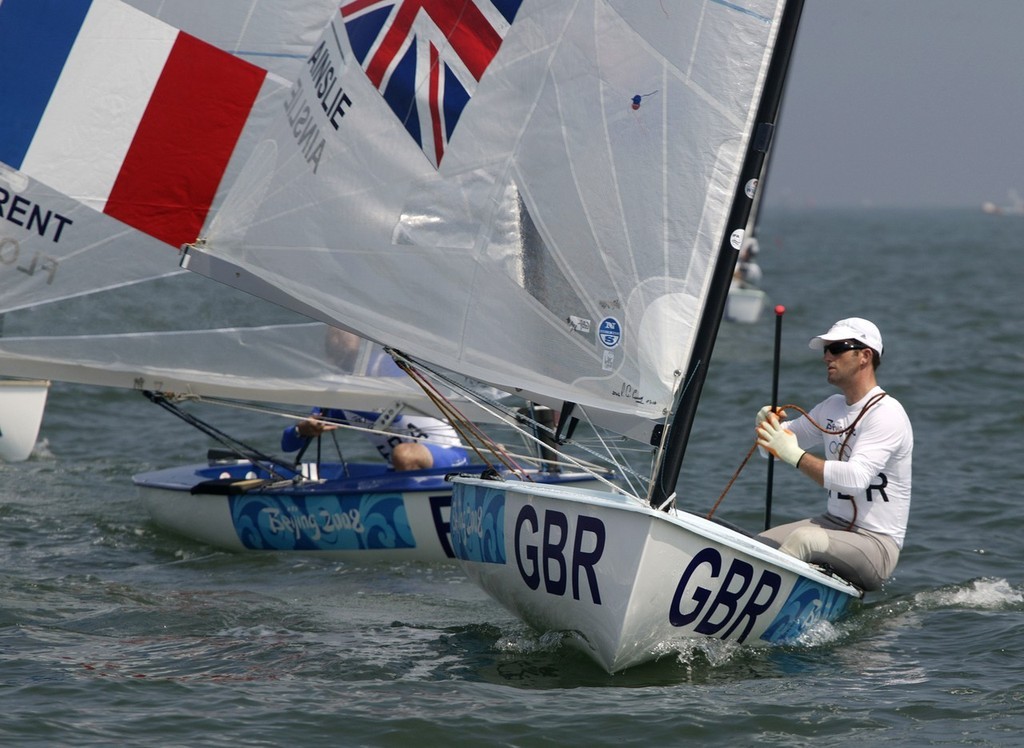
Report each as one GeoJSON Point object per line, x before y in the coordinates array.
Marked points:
{"type": "Point", "coordinates": [115, 108]}
{"type": "Point", "coordinates": [427, 56]}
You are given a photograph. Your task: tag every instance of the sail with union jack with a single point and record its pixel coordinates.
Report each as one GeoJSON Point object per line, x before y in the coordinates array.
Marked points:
{"type": "Point", "coordinates": [426, 57]}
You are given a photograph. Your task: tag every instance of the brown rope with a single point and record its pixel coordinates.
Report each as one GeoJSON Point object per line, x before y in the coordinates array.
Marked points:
{"type": "Point", "coordinates": [470, 433]}
{"type": "Point", "coordinates": [842, 448]}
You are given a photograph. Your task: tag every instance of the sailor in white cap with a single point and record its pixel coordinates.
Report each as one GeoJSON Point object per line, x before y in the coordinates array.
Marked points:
{"type": "Point", "coordinates": [868, 444]}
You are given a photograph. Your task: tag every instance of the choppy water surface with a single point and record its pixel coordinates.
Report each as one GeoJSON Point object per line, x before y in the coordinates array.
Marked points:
{"type": "Point", "coordinates": [113, 631]}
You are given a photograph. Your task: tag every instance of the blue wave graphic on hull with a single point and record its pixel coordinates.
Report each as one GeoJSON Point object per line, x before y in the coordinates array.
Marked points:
{"type": "Point", "coordinates": [478, 524]}
{"type": "Point", "coordinates": [322, 523]}
{"type": "Point", "coordinates": [808, 603]}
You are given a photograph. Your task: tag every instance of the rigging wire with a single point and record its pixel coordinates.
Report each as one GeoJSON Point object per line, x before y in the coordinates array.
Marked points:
{"type": "Point", "coordinates": [238, 447]}
{"type": "Point", "coordinates": [470, 432]}
{"type": "Point", "coordinates": [209, 400]}
{"type": "Point", "coordinates": [614, 453]}
{"type": "Point", "coordinates": [500, 411]}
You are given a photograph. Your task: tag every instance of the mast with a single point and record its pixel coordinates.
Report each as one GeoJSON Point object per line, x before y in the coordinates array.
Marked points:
{"type": "Point", "coordinates": [685, 408]}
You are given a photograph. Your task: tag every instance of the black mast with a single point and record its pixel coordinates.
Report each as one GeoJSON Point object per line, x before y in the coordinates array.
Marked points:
{"type": "Point", "coordinates": [664, 482]}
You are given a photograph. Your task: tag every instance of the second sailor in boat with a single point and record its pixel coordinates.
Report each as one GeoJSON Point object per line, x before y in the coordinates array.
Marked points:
{"type": "Point", "coordinates": [412, 442]}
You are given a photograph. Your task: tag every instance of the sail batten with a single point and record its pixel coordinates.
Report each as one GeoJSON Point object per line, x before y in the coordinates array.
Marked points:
{"type": "Point", "coordinates": [290, 364]}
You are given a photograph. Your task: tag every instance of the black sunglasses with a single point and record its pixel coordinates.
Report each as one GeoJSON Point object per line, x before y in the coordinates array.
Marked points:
{"type": "Point", "coordinates": [842, 346]}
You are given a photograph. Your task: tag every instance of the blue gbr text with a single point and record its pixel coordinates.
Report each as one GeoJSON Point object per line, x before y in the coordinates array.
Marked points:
{"type": "Point", "coordinates": [714, 596]}
{"type": "Point", "coordinates": [734, 597]}
{"type": "Point", "coordinates": [553, 550]}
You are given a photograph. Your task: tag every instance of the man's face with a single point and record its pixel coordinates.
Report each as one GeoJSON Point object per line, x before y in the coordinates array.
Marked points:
{"type": "Point", "coordinates": [843, 359]}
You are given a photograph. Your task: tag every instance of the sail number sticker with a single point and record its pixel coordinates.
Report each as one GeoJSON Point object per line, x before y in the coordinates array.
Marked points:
{"type": "Point", "coordinates": [610, 332]}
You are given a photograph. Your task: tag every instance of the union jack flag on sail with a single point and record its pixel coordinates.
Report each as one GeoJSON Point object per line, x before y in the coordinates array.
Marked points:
{"type": "Point", "coordinates": [427, 56]}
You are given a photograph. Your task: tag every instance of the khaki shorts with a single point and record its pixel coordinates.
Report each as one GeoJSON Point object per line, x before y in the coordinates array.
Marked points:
{"type": "Point", "coordinates": [865, 558]}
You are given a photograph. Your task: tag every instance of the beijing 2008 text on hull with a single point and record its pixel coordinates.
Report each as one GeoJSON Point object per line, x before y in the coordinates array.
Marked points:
{"type": "Point", "coordinates": [353, 511]}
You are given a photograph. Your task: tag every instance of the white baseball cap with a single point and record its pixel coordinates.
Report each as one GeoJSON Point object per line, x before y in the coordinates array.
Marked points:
{"type": "Point", "coordinates": [851, 328]}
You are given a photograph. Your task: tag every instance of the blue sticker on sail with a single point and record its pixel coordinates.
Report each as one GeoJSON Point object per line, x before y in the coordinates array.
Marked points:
{"type": "Point", "coordinates": [609, 332]}
{"type": "Point", "coordinates": [322, 523]}
{"type": "Point", "coordinates": [808, 603]}
{"type": "Point", "coordinates": [478, 524]}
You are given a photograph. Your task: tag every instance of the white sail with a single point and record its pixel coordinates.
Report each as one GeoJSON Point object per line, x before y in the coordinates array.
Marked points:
{"type": "Point", "coordinates": [534, 218]}
{"type": "Point", "coordinates": [79, 87]}
{"type": "Point", "coordinates": [288, 364]}
{"type": "Point", "coordinates": [57, 241]}
{"type": "Point", "coordinates": [546, 195]}
{"type": "Point", "coordinates": [41, 263]}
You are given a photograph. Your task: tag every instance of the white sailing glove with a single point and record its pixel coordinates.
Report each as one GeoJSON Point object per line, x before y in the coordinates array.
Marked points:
{"type": "Point", "coordinates": [763, 413]}
{"type": "Point", "coordinates": [780, 441]}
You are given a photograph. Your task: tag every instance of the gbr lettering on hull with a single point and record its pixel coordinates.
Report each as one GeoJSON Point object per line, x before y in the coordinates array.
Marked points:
{"type": "Point", "coordinates": [738, 602]}
{"type": "Point", "coordinates": [541, 551]}
{"type": "Point", "coordinates": [562, 552]}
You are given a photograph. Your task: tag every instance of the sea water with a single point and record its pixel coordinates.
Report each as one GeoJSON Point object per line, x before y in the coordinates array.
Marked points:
{"type": "Point", "coordinates": [114, 632]}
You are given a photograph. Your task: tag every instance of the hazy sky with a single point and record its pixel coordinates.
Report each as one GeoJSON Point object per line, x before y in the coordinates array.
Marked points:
{"type": "Point", "coordinates": [903, 102]}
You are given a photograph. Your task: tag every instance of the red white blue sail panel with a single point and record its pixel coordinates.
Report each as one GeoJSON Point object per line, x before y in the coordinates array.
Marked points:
{"type": "Point", "coordinates": [115, 108]}
{"type": "Point", "coordinates": [426, 57]}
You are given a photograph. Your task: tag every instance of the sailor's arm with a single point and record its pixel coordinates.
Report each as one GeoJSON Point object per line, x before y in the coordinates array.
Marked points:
{"type": "Point", "coordinates": [813, 467]}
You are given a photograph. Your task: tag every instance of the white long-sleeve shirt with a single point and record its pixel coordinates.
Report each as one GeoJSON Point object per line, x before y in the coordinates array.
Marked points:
{"type": "Point", "coordinates": [874, 471]}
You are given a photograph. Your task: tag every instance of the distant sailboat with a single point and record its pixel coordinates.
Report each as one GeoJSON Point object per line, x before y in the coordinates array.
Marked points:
{"type": "Point", "coordinates": [22, 403]}
{"type": "Point", "coordinates": [746, 300]}
{"type": "Point", "coordinates": [1014, 206]}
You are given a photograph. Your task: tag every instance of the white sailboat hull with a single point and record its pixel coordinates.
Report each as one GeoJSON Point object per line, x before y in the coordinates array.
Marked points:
{"type": "Point", "coordinates": [744, 305]}
{"type": "Point", "coordinates": [629, 580]}
{"type": "Point", "coordinates": [359, 512]}
{"type": "Point", "coordinates": [22, 403]}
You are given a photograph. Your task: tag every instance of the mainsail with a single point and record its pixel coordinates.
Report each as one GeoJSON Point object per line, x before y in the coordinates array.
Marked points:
{"type": "Point", "coordinates": [91, 196]}
{"type": "Point", "coordinates": [536, 198]}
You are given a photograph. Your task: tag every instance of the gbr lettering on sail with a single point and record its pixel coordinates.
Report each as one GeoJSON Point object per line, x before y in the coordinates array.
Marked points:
{"type": "Point", "coordinates": [317, 101]}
